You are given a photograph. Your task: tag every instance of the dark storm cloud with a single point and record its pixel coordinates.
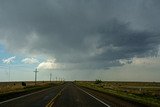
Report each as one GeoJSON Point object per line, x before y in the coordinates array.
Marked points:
{"type": "Point", "coordinates": [90, 33]}
{"type": "Point", "coordinates": [118, 41]}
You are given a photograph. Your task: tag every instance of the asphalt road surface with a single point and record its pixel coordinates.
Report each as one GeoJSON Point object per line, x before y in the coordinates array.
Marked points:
{"type": "Point", "coordinates": [73, 96]}
{"type": "Point", "coordinates": [68, 95]}
{"type": "Point", "coordinates": [38, 99]}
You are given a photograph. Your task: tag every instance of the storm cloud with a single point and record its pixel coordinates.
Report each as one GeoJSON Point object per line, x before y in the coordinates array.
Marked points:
{"type": "Point", "coordinates": [88, 34]}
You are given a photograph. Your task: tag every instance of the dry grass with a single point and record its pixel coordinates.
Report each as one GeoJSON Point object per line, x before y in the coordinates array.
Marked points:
{"type": "Point", "coordinates": [151, 89]}
{"type": "Point", "coordinates": [139, 88]}
{"type": "Point", "coordinates": [13, 86]}
{"type": "Point", "coordinates": [142, 92]}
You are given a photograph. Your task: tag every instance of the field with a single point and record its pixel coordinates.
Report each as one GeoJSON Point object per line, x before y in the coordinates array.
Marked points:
{"type": "Point", "coordinates": [142, 92]}
{"type": "Point", "coordinates": [7, 87]}
{"type": "Point", "coordinates": [10, 90]}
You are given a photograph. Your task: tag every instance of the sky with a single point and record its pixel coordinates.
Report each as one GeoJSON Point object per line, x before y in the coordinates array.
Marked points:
{"type": "Point", "coordinates": [111, 40]}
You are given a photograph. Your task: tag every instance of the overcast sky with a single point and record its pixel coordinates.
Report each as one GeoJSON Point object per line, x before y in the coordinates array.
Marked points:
{"type": "Point", "coordinates": [80, 39]}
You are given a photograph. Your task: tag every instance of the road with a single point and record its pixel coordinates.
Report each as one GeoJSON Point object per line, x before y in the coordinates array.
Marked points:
{"type": "Point", "coordinates": [73, 96]}
{"type": "Point", "coordinates": [67, 95]}
{"type": "Point", "coordinates": [38, 99]}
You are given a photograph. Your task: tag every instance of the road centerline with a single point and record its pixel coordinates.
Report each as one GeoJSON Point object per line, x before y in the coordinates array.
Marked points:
{"type": "Point", "coordinates": [52, 100]}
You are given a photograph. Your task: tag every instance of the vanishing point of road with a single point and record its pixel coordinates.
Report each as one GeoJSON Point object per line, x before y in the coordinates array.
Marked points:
{"type": "Point", "coordinates": [67, 95]}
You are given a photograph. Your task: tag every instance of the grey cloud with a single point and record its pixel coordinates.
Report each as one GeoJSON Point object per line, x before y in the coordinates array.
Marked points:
{"type": "Point", "coordinates": [118, 41]}
{"type": "Point", "coordinates": [90, 33]}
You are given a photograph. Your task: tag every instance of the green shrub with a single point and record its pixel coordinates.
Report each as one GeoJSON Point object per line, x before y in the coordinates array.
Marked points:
{"type": "Point", "coordinates": [98, 81]}
{"type": "Point", "coordinates": [23, 83]}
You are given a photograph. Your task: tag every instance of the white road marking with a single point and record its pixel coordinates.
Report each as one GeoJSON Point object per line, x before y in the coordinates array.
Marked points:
{"type": "Point", "coordinates": [23, 96]}
{"type": "Point", "coordinates": [94, 97]}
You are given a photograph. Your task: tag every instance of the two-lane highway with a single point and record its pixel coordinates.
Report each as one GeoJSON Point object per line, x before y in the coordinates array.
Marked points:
{"type": "Point", "coordinates": [73, 96]}
{"type": "Point", "coordinates": [68, 95]}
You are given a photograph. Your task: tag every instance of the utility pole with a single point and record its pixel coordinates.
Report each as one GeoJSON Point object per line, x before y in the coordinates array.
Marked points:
{"type": "Point", "coordinates": [50, 77]}
{"type": "Point", "coordinates": [56, 79]}
{"type": "Point", "coordinates": [9, 73]}
{"type": "Point", "coordinates": [35, 75]}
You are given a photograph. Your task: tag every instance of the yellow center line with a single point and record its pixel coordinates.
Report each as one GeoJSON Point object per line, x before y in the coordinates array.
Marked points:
{"type": "Point", "coordinates": [50, 104]}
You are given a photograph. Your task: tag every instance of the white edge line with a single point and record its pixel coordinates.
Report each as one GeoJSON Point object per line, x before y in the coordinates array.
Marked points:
{"type": "Point", "coordinates": [23, 96]}
{"type": "Point", "coordinates": [94, 97]}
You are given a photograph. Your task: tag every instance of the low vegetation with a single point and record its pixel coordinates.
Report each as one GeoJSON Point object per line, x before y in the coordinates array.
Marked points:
{"type": "Point", "coordinates": [98, 81]}
{"type": "Point", "coordinates": [143, 92]}
{"type": "Point", "coordinates": [15, 89]}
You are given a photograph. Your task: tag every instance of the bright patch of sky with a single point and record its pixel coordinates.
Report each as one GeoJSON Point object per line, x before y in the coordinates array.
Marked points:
{"type": "Point", "coordinates": [3, 53]}
{"type": "Point", "coordinates": [21, 68]}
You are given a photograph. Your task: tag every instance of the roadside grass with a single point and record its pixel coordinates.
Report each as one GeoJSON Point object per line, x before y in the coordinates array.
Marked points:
{"type": "Point", "coordinates": [26, 90]}
{"type": "Point", "coordinates": [140, 98]}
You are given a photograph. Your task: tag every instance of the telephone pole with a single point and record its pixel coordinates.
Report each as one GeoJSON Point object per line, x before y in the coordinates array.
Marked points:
{"type": "Point", "coordinates": [50, 77]}
{"type": "Point", "coordinates": [35, 75]}
{"type": "Point", "coordinates": [56, 79]}
{"type": "Point", "coordinates": [9, 73]}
